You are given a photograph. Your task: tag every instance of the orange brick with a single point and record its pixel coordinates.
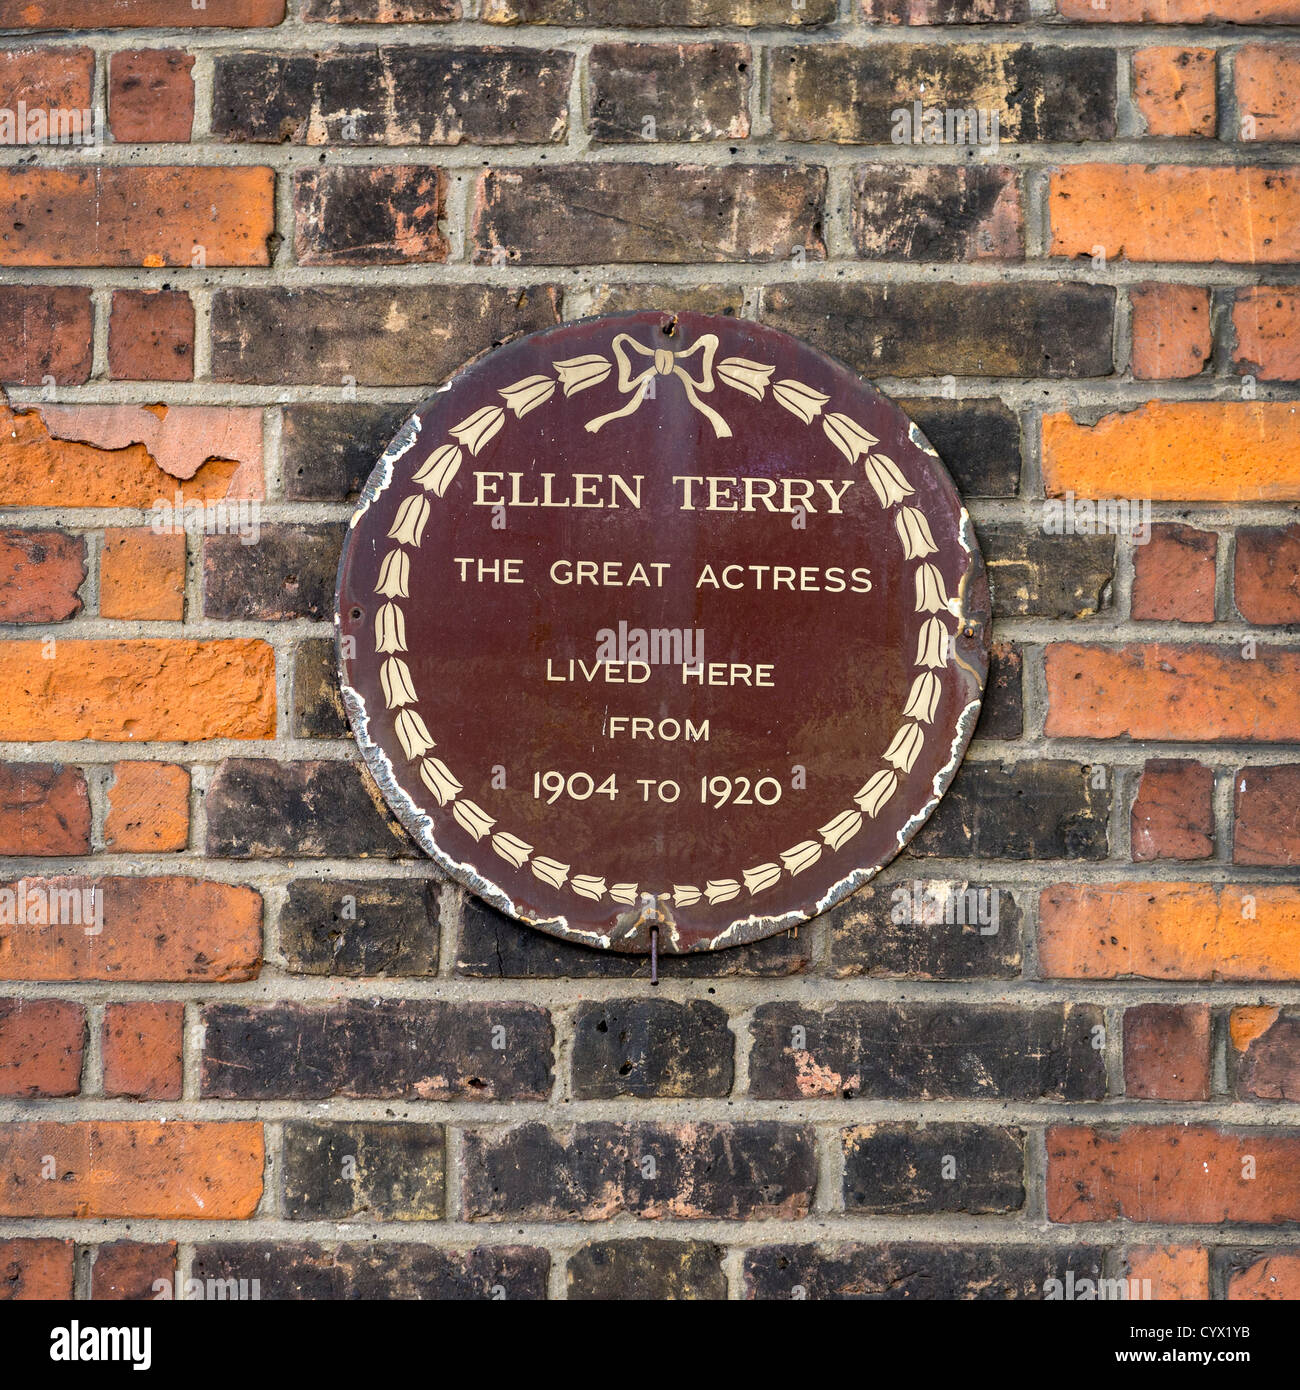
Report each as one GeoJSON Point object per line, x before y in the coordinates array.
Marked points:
{"type": "Point", "coordinates": [1178, 451]}
{"type": "Point", "coordinates": [1267, 78]}
{"type": "Point", "coordinates": [1266, 320]}
{"type": "Point", "coordinates": [142, 574]}
{"type": "Point", "coordinates": [45, 79]}
{"type": "Point", "coordinates": [1169, 1273]}
{"type": "Point", "coordinates": [36, 1270]}
{"type": "Point", "coordinates": [1153, 690]}
{"type": "Point", "coordinates": [1171, 330]}
{"type": "Point", "coordinates": [41, 1044]}
{"type": "Point", "coordinates": [1183, 11]}
{"type": "Point", "coordinates": [1195, 1174]}
{"type": "Point", "coordinates": [44, 809]}
{"type": "Point", "coordinates": [148, 689]}
{"type": "Point", "coordinates": [142, 1050]}
{"type": "Point", "coordinates": [1169, 931]}
{"type": "Point", "coordinates": [164, 928]}
{"type": "Point", "coordinates": [1175, 90]}
{"type": "Point", "coordinates": [140, 14]}
{"type": "Point", "coordinates": [1173, 575]}
{"type": "Point", "coordinates": [151, 95]}
{"type": "Point", "coordinates": [128, 455]}
{"type": "Point", "coordinates": [116, 1168]}
{"type": "Point", "coordinates": [125, 215]}
{"type": "Point", "coordinates": [1169, 212]}
{"type": "Point", "coordinates": [131, 1269]}
{"type": "Point", "coordinates": [1275, 1276]}
{"type": "Point", "coordinates": [148, 808]}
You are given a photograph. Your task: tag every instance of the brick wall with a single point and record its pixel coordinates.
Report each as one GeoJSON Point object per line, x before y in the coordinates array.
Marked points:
{"type": "Point", "coordinates": [276, 1060]}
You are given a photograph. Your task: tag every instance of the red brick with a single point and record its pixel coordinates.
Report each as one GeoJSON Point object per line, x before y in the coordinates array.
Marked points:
{"type": "Point", "coordinates": [151, 336]}
{"type": "Point", "coordinates": [117, 1168]}
{"type": "Point", "coordinates": [36, 1270]}
{"type": "Point", "coordinates": [46, 80]}
{"type": "Point", "coordinates": [1169, 931]}
{"type": "Point", "coordinates": [148, 808]}
{"type": "Point", "coordinates": [1272, 1276]}
{"type": "Point", "coordinates": [1168, 1273]}
{"type": "Point", "coordinates": [127, 215]}
{"type": "Point", "coordinates": [1175, 90]}
{"type": "Point", "coordinates": [1167, 1051]}
{"type": "Point", "coordinates": [1182, 11]}
{"type": "Point", "coordinates": [128, 455]}
{"type": "Point", "coordinates": [1266, 574]}
{"type": "Point", "coordinates": [44, 809]}
{"type": "Point", "coordinates": [1266, 321]}
{"type": "Point", "coordinates": [45, 331]}
{"type": "Point", "coordinates": [1173, 812]}
{"type": "Point", "coordinates": [1169, 212]}
{"type": "Point", "coordinates": [163, 928]}
{"type": "Point", "coordinates": [40, 573]}
{"type": "Point", "coordinates": [131, 1270]}
{"type": "Point", "coordinates": [1266, 77]}
{"type": "Point", "coordinates": [41, 1044]}
{"type": "Point", "coordinates": [1189, 1175]}
{"type": "Point", "coordinates": [1171, 330]}
{"type": "Point", "coordinates": [1267, 816]}
{"type": "Point", "coordinates": [151, 96]}
{"type": "Point", "coordinates": [137, 690]}
{"type": "Point", "coordinates": [142, 1050]}
{"type": "Point", "coordinates": [1264, 1057]}
{"type": "Point", "coordinates": [1174, 574]}
{"type": "Point", "coordinates": [1165, 692]}
{"type": "Point", "coordinates": [142, 574]}
{"type": "Point", "coordinates": [139, 14]}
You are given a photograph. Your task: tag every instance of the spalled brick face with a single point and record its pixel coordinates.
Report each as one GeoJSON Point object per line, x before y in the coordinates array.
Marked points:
{"type": "Point", "coordinates": [1047, 1043]}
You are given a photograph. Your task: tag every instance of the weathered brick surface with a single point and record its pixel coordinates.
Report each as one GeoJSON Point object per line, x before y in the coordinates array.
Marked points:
{"type": "Point", "coordinates": [151, 95]}
{"type": "Point", "coordinates": [645, 1268]}
{"type": "Point", "coordinates": [44, 809]}
{"type": "Point", "coordinates": [41, 1047]}
{"type": "Point", "coordinates": [650, 1047]}
{"type": "Point", "coordinates": [684, 213]}
{"type": "Point", "coordinates": [368, 336]}
{"type": "Point", "coordinates": [906, 1169]}
{"type": "Point", "coordinates": [695, 91]}
{"type": "Point", "coordinates": [1170, 931]}
{"type": "Point", "coordinates": [132, 1270]}
{"type": "Point", "coordinates": [116, 1168]}
{"type": "Point", "coordinates": [395, 1172]}
{"type": "Point", "coordinates": [1266, 809]}
{"type": "Point", "coordinates": [1167, 1051]}
{"type": "Point", "coordinates": [959, 330]}
{"type": "Point", "coordinates": [421, 1050]}
{"type": "Point", "coordinates": [1162, 1173]}
{"type": "Point", "coordinates": [45, 330]}
{"type": "Point", "coordinates": [40, 574]}
{"type": "Point", "coordinates": [133, 216]}
{"type": "Point", "coordinates": [926, 1052]}
{"type": "Point", "coordinates": [1173, 811]}
{"type": "Point", "coordinates": [258, 808]}
{"type": "Point", "coordinates": [300, 1269]}
{"type": "Point", "coordinates": [360, 927]}
{"type": "Point", "coordinates": [158, 928]}
{"type": "Point", "coordinates": [1173, 575]}
{"type": "Point", "coordinates": [1264, 1053]}
{"type": "Point", "coordinates": [756, 1171]}
{"type": "Point", "coordinates": [303, 219]}
{"type": "Point", "coordinates": [839, 92]}
{"type": "Point", "coordinates": [392, 96]}
{"type": "Point", "coordinates": [914, 1271]}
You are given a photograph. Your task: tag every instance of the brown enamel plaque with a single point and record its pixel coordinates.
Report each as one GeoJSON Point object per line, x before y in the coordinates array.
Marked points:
{"type": "Point", "coordinates": [665, 624]}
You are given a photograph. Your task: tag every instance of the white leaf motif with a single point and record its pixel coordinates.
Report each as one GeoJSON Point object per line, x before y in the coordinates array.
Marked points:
{"type": "Point", "coordinates": [395, 679]}
{"type": "Point", "coordinates": [511, 847]}
{"type": "Point", "coordinates": [844, 827]}
{"type": "Point", "coordinates": [799, 399]}
{"type": "Point", "coordinates": [801, 856]}
{"type": "Point", "coordinates": [436, 775]}
{"type": "Point", "coordinates": [550, 871]}
{"type": "Point", "coordinates": [440, 468]}
{"type": "Point", "coordinates": [877, 791]}
{"type": "Point", "coordinates": [761, 876]}
{"type": "Point", "coordinates": [473, 819]}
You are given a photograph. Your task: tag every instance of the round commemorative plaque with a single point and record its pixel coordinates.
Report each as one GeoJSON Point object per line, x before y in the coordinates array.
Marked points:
{"type": "Point", "coordinates": [661, 629]}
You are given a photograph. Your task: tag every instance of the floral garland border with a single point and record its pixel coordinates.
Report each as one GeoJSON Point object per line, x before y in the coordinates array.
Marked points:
{"type": "Point", "coordinates": [752, 379]}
